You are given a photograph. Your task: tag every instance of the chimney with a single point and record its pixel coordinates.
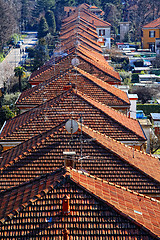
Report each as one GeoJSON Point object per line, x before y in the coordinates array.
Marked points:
{"type": "Point", "coordinates": [65, 205]}
{"type": "Point", "coordinates": [69, 157]}
{"type": "Point", "coordinates": [65, 234]}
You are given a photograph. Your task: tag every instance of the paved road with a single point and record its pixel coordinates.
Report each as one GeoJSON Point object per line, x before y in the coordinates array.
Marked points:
{"type": "Point", "coordinates": [15, 58]}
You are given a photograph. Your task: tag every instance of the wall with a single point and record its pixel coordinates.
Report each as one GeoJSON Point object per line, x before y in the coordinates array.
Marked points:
{"type": "Point", "coordinates": [146, 39]}
{"type": "Point", "coordinates": [107, 36]}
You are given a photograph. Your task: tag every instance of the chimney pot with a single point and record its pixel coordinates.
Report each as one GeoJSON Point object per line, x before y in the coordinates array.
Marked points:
{"type": "Point", "coordinates": [65, 205]}
{"type": "Point", "coordinates": [65, 234]}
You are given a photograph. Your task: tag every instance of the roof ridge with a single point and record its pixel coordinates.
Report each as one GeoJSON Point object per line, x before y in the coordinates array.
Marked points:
{"type": "Point", "coordinates": [112, 149]}
{"type": "Point", "coordinates": [89, 13]}
{"type": "Point", "coordinates": [75, 19]}
{"type": "Point", "coordinates": [36, 196]}
{"type": "Point", "coordinates": [95, 16]}
{"type": "Point", "coordinates": [105, 69]}
{"type": "Point", "coordinates": [112, 184]}
{"type": "Point", "coordinates": [36, 108]}
{"type": "Point", "coordinates": [96, 103]}
{"type": "Point", "coordinates": [46, 82]}
{"type": "Point", "coordinates": [80, 25]}
{"type": "Point", "coordinates": [152, 22]}
{"type": "Point", "coordinates": [28, 148]}
{"type": "Point", "coordinates": [105, 83]}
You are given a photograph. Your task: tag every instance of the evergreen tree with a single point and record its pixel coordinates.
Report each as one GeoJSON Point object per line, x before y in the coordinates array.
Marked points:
{"type": "Point", "coordinates": [41, 54]}
{"type": "Point", "coordinates": [43, 28]}
{"type": "Point", "coordinates": [50, 18]}
{"type": "Point", "coordinates": [19, 72]}
{"type": "Point", "coordinates": [42, 6]}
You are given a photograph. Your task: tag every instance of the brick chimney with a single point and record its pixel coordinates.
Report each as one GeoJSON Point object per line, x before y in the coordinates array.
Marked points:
{"type": "Point", "coordinates": [65, 205]}
{"type": "Point", "coordinates": [65, 234]}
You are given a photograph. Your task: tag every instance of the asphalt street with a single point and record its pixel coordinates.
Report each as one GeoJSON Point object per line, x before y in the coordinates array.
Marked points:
{"type": "Point", "coordinates": [15, 58]}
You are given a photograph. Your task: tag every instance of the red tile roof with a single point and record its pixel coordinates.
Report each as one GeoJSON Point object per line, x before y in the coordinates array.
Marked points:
{"type": "Point", "coordinates": [138, 208]}
{"type": "Point", "coordinates": [73, 41]}
{"type": "Point", "coordinates": [51, 88]}
{"type": "Point", "coordinates": [99, 62]}
{"type": "Point", "coordinates": [154, 24]}
{"type": "Point", "coordinates": [81, 27]}
{"type": "Point", "coordinates": [91, 61]}
{"type": "Point", "coordinates": [108, 159]}
{"type": "Point", "coordinates": [90, 17]}
{"type": "Point", "coordinates": [72, 36]}
{"type": "Point", "coordinates": [140, 160]}
{"type": "Point", "coordinates": [96, 115]}
{"type": "Point", "coordinates": [94, 203]}
{"type": "Point", "coordinates": [68, 9]}
{"type": "Point", "coordinates": [73, 21]}
{"type": "Point", "coordinates": [115, 91]}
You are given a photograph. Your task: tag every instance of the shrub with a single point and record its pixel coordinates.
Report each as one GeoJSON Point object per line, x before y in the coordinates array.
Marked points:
{"type": "Point", "coordinates": [149, 108]}
{"type": "Point", "coordinates": [5, 114]}
{"type": "Point", "coordinates": [135, 77]}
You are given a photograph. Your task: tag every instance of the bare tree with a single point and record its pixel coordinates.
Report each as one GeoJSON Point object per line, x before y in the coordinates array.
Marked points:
{"type": "Point", "coordinates": [8, 23]}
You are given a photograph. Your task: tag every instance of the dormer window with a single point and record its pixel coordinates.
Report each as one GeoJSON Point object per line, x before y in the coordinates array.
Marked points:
{"type": "Point", "coordinates": [151, 34]}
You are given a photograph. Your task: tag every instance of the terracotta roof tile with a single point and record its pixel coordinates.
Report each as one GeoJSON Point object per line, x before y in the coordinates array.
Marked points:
{"type": "Point", "coordinates": [81, 27]}
{"type": "Point", "coordinates": [146, 165]}
{"type": "Point", "coordinates": [53, 87]}
{"type": "Point", "coordinates": [105, 85]}
{"type": "Point", "coordinates": [72, 36]}
{"type": "Point", "coordinates": [81, 40]}
{"type": "Point", "coordinates": [73, 21]}
{"type": "Point", "coordinates": [90, 17]}
{"type": "Point", "coordinates": [154, 24]}
{"type": "Point", "coordinates": [103, 65]}
{"type": "Point", "coordinates": [108, 159]}
{"type": "Point", "coordinates": [138, 208]}
{"type": "Point", "coordinates": [94, 204]}
{"type": "Point", "coordinates": [48, 114]}
{"type": "Point", "coordinates": [91, 61]}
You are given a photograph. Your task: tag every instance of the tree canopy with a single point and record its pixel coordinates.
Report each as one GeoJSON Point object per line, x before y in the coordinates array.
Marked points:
{"type": "Point", "coordinates": [42, 6]}
{"type": "Point", "coordinates": [42, 28]}
{"type": "Point", "coordinates": [50, 18]}
{"type": "Point", "coordinates": [19, 72]}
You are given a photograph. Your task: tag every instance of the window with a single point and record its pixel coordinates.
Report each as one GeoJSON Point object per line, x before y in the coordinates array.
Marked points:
{"type": "Point", "coordinates": [102, 32]}
{"type": "Point", "coordinates": [152, 34]}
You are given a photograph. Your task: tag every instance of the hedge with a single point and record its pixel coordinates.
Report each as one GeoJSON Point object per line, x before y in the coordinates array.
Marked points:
{"type": "Point", "coordinates": [149, 108]}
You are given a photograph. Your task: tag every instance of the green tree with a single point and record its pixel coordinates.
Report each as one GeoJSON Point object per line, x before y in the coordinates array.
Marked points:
{"type": "Point", "coordinates": [5, 114]}
{"type": "Point", "coordinates": [41, 54]}
{"type": "Point", "coordinates": [42, 6]}
{"type": "Point", "coordinates": [50, 18]}
{"type": "Point", "coordinates": [42, 28]}
{"type": "Point", "coordinates": [19, 72]}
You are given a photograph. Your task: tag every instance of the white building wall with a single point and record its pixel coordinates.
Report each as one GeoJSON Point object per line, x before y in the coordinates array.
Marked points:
{"type": "Point", "coordinates": [106, 36]}
{"type": "Point", "coordinates": [133, 100]}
